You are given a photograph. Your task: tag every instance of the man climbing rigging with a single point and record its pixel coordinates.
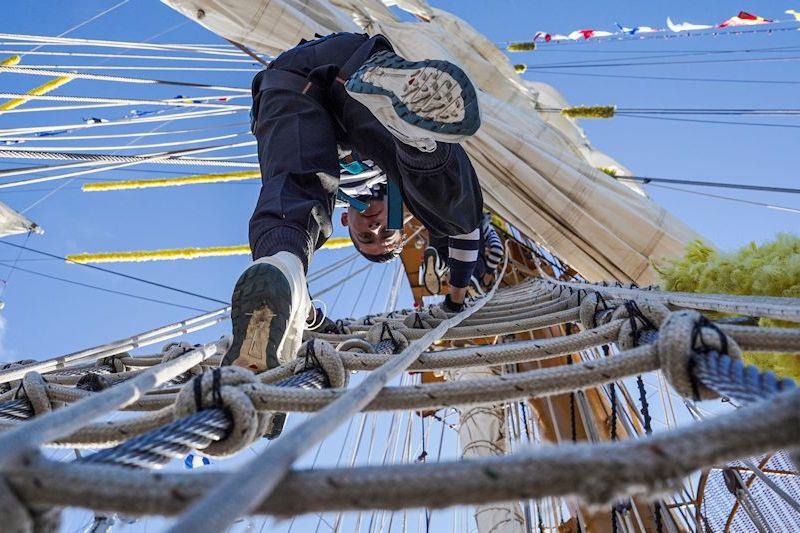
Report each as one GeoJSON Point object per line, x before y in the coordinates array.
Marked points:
{"type": "Point", "coordinates": [353, 91]}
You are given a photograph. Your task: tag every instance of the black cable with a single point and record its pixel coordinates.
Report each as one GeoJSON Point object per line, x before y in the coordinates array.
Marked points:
{"type": "Point", "coordinates": [729, 198]}
{"type": "Point", "coordinates": [706, 121]}
{"type": "Point", "coordinates": [697, 52]}
{"type": "Point", "coordinates": [710, 32]}
{"type": "Point", "coordinates": [652, 63]}
{"type": "Point", "coordinates": [631, 111]}
{"type": "Point", "coordinates": [664, 78]}
{"type": "Point", "coordinates": [103, 289]}
{"type": "Point", "coordinates": [720, 184]}
{"type": "Point", "coordinates": [677, 53]}
{"type": "Point", "coordinates": [114, 272]}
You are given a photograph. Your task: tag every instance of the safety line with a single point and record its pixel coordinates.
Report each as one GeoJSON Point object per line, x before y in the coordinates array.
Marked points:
{"type": "Point", "coordinates": [85, 22]}
{"type": "Point", "coordinates": [129, 56]}
{"type": "Point", "coordinates": [646, 180]}
{"type": "Point", "coordinates": [123, 79]}
{"type": "Point", "coordinates": [729, 198]}
{"type": "Point", "coordinates": [71, 41]}
{"type": "Point", "coordinates": [103, 289]}
{"type": "Point", "coordinates": [116, 273]}
{"type": "Point", "coordinates": [707, 121]}
{"type": "Point", "coordinates": [653, 63]}
{"type": "Point", "coordinates": [664, 78]}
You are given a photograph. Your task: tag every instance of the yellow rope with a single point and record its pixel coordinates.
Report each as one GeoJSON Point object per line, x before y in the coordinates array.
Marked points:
{"type": "Point", "coordinates": [10, 61]}
{"type": "Point", "coordinates": [521, 47]}
{"type": "Point", "coordinates": [593, 111]}
{"type": "Point", "coordinates": [45, 88]}
{"type": "Point", "coordinates": [171, 182]}
{"type": "Point", "coordinates": [172, 254]}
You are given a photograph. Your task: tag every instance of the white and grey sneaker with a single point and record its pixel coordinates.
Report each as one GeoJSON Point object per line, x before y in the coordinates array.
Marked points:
{"type": "Point", "coordinates": [269, 307]}
{"type": "Point", "coordinates": [419, 102]}
{"type": "Point", "coordinates": [474, 289]}
{"type": "Point", "coordinates": [432, 271]}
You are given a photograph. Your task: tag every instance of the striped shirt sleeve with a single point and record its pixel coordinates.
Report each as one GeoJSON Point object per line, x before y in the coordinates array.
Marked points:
{"type": "Point", "coordinates": [493, 246]}
{"type": "Point", "coordinates": [463, 254]}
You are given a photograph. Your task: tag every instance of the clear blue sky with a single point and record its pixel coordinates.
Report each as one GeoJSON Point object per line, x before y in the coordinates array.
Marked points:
{"type": "Point", "coordinates": [44, 317]}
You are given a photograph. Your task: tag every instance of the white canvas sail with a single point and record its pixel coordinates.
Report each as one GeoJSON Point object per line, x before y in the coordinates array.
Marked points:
{"type": "Point", "coordinates": [537, 170]}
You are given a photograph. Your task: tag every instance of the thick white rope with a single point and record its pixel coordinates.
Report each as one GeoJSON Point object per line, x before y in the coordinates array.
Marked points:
{"type": "Point", "coordinates": [74, 68]}
{"type": "Point", "coordinates": [169, 117]}
{"type": "Point", "coordinates": [123, 79]}
{"type": "Point", "coordinates": [26, 437]}
{"type": "Point", "coordinates": [126, 161]}
{"type": "Point", "coordinates": [71, 41]}
{"type": "Point", "coordinates": [128, 56]}
{"type": "Point", "coordinates": [598, 473]}
{"type": "Point", "coordinates": [260, 476]}
{"type": "Point", "coordinates": [120, 147]}
{"type": "Point", "coordinates": [104, 350]}
{"type": "Point", "coordinates": [198, 102]}
{"type": "Point", "coordinates": [761, 306]}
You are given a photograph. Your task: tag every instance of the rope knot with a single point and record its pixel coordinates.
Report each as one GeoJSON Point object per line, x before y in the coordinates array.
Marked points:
{"type": "Point", "coordinates": [34, 387]}
{"type": "Point", "coordinates": [221, 388]}
{"type": "Point", "coordinates": [115, 362]}
{"type": "Point", "coordinates": [419, 320]}
{"type": "Point", "coordinates": [174, 350]}
{"type": "Point", "coordinates": [342, 328]}
{"type": "Point", "coordinates": [10, 385]}
{"type": "Point", "coordinates": [320, 354]}
{"type": "Point", "coordinates": [683, 335]}
{"type": "Point", "coordinates": [388, 337]}
{"type": "Point", "coordinates": [595, 310]}
{"type": "Point", "coordinates": [640, 317]}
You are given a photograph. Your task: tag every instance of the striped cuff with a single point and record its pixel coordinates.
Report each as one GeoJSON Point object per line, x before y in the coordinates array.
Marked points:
{"type": "Point", "coordinates": [463, 255]}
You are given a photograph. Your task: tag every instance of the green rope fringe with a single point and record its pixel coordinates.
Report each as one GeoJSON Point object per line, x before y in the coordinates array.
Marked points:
{"type": "Point", "coordinates": [771, 269]}
{"type": "Point", "coordinates": [594, 111]}
{"type": "Point", "coordinates": [520, 68]}
{"type": "Point", "coordinates": [521, 47]}
{"type": "Point", "coordinates": [610, 171]}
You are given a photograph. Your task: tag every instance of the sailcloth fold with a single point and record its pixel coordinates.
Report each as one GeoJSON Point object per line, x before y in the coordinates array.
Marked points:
{"type": "Point", "coordinates": [13, 223]}
{"type": "Point", "coordinates": [537, 170]}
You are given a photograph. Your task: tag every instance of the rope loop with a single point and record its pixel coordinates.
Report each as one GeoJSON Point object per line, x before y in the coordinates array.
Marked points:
{"type": "Point", "coordinates": [320, 354]}
{"type": "Point", "coordinates": [11, 385]}
{"type": "Point", "coordinates": [419, 320]}
{"type": "Point", "coordinates": [683, 335]}
{"type": "Point", "coordinates": [115, 362]}
{"type": "Point", "coordinates": [342, 328]}
{"type": "Point", "coordinates": [388, 337]}
{"type": "Point", "coordinates": [34, 387]}
{"type": "Point", "coordinates": [591, 307]}
{"type": "Point", "coordinates": [640, 316]}
{"type": "Point", "coordinates": [174, 350]}
{"type": "Point", "coordinates": [220, 388]}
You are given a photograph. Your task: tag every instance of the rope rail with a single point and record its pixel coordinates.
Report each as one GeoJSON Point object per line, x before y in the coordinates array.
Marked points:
{"type": "Point", "coordinates": [190, 405]}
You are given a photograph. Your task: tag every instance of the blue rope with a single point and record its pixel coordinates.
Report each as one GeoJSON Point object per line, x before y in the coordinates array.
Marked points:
{"type": "Point", "coordinates": [734, 379]}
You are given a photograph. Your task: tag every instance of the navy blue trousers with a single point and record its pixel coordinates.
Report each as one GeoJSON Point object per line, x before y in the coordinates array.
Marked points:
{"type": "Point", "coordinates": [297, 136]}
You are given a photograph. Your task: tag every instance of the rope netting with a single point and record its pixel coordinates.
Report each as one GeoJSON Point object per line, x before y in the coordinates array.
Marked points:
{"type": "Point", "coordinates": [184, 402]}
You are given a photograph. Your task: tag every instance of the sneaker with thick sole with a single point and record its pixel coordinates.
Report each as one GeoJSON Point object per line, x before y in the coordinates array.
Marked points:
{"type": "Point", "coordinates": [474, 289]}
{"type": "Point", "coordinates": [269, 307]}
{"type": "Point", "coordinates": [431, 271]}
{"type": "Point", "coordinates": [419, 102]}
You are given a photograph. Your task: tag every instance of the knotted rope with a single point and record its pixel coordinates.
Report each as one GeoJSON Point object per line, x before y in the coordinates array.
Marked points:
{"type": "Point", "coordinates": [219, 389]}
